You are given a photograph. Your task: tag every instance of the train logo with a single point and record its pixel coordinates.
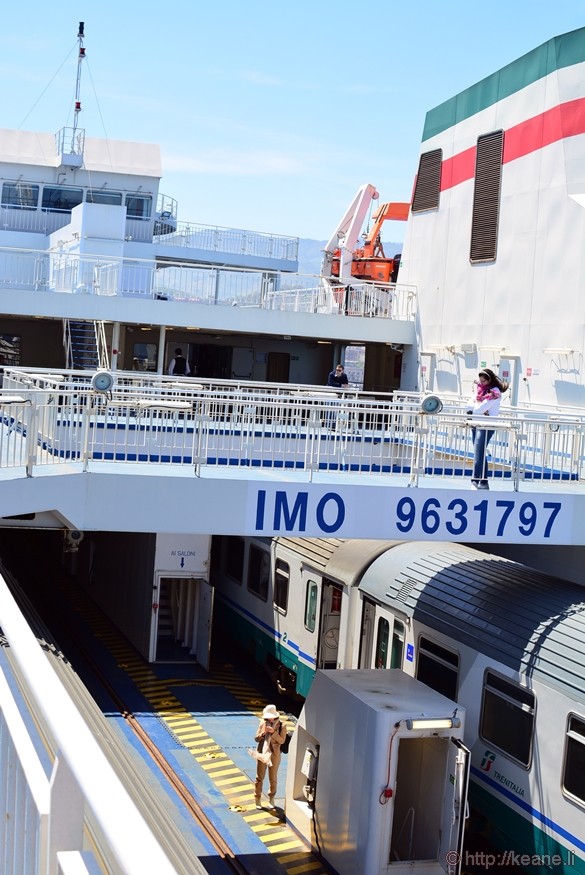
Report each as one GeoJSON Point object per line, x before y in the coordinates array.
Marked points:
{"type": "Point", "coordinates": [488, 760]}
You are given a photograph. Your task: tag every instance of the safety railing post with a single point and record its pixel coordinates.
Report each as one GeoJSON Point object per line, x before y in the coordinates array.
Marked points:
{"type": "Point", "coordinates": [31, 436]}
{"type": "Point", "coordinates": [85, 423]}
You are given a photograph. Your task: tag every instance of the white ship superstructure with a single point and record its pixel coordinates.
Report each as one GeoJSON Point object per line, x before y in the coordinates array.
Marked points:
{"type": "Point", "coordinates": [494, 239]}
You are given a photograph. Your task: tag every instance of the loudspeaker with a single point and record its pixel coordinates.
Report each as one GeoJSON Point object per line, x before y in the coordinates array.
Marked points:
{"type": "Point", "coordinates": [431, 404]}
{"type": "Point", "coordinates": [102, 381]}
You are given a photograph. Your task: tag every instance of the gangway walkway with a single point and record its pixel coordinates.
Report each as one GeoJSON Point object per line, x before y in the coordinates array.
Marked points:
{"type": "Point", "coordinates": [294, 459]}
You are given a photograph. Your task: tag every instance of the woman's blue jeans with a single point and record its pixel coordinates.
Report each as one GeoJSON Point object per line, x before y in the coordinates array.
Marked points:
{"type": "Point", "coordinates": [481, 438]}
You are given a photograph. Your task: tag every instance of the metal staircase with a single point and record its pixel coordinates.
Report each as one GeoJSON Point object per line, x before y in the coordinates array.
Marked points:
{"type": "Point", "coordinates": [85, 345]}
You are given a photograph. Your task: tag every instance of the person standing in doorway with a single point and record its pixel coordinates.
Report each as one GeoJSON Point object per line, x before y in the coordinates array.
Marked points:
{"type": "Point", "coordinates": [270, 735]}
{"type": "Point", "coordinates": [488, 397]}
{"type": "Point", "coordinates": [179, 364]}
{"type": "Point", "coordinates": [338, 378]}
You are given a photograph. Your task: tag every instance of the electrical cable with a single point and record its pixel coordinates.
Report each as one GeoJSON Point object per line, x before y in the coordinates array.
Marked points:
{"type": "Point", "coordinates": [46, 88]}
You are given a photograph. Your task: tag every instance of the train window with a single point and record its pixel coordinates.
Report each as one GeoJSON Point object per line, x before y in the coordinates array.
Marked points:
{"type": "Point", "coordinates": [574, 772]}
{"type": "Point", "coordinates": [397, 651]}
{"type": "Point", "coordinates": [311, 605]}
{"type": "Point", "coordinates": [20, 195]}
{"type": "Point", "coordinates": [281, 579]}
{"type": "Point", "coordinates": [507, 717]}
{"type": "Point", "coordinates": [382, 639]}
{"type": "Point", "coordinates": [437, 667]}
{"type": "Point", "coordinates": [57, 199]}
{"type": "Point", "coordinates": [234, 558]}
{"type": "Point", "coordinates": [258, 572]}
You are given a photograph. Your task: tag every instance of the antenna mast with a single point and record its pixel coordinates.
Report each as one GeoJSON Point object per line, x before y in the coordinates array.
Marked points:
{"type": "Point", "coordinates": [80, 58]}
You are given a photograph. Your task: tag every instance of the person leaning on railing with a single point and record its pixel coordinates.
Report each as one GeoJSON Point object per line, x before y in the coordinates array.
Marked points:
{"type": "Point", "coordinates": [486, 402]}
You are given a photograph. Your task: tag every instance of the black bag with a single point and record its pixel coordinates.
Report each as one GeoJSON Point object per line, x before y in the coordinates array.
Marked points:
{"type": "Point", "coordinates": [285, 744]}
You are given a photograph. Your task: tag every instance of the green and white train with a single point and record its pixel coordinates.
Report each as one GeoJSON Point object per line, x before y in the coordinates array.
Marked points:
{"type": "Point", "coordinates": [504, 640]}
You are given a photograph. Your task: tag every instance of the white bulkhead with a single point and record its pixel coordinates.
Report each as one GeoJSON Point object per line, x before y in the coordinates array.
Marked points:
{"type": "Point", "coordinates": [377, 774]}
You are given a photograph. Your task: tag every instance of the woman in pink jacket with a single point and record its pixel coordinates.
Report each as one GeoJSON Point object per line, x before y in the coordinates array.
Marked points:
{"type": "Point", "coordinates": [488, 398]}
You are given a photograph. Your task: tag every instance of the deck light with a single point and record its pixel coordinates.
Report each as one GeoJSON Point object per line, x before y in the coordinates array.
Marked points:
{"type": "Point", "coordinates": [433, 723]}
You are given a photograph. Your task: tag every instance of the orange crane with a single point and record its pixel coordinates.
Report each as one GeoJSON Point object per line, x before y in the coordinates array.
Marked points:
{"type": "Point", "coordinates": [368, 262]}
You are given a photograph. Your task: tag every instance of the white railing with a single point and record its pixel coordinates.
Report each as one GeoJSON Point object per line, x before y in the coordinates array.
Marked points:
{"type": "Point", "coordinates": [186, 235]}
{"type": "Point", "coordinates": [72, 273]}
{"type": "Point", "coordinates": [49, 820]}
{"type": "Point", "coordinates": [231, 240]}
{"type": "Point", "coordinates": [49, 420]}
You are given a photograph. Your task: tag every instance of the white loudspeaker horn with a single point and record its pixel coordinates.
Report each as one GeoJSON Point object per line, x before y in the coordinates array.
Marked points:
{"type": "Point", "coordinates": [431, 404]}
{"type": "Point", "coordinates": [102, 381]}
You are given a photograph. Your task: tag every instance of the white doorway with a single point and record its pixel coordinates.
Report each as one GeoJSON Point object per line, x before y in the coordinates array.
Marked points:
{"type": "Point", "coordinates": [182, 611]}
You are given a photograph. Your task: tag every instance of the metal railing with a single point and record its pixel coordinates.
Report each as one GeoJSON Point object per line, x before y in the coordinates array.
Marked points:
{"type": "Point", "coordinates": [49, 420]}
{"type": "Point", "coordinates": [191, 235]}
{"type": "Point", "coordinates": [49, 820]}
{"type": "Point", "coordinates": [72, 273]}
{"type": "Point", "coordinates": [214, 238]}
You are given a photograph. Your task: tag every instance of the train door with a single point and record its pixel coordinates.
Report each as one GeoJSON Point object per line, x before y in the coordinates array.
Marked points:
{"type": "Point", "coordinates": [331, 600]}
{"type": "Point", "coordinates": [382, 641]}
{"type": "Point", "coordinates": [366, 643]}
{"type": "Point", "coordinates": [182, 609]}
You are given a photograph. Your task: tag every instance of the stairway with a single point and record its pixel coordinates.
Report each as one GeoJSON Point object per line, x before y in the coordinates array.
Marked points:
{"type": "Point", "coordinates": [81, 345]}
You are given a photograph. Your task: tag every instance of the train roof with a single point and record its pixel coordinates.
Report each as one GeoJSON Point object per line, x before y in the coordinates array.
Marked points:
{"type": "Point", "coordinates": [340, 559]}
{"type": "Point", "coordinates": [516, 615]}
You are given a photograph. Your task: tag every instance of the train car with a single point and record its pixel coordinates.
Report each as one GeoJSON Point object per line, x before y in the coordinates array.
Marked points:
{"type": "Point", "coordinates": [502, 639]}
{"type": "Point", "coordinates": [289, 602]}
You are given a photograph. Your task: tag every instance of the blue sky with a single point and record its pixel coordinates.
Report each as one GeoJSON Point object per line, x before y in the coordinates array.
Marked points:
{"type": "Point", "coordinates": [269, 115]}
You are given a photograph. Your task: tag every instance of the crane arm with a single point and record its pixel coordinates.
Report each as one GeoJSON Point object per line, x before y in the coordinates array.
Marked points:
{"type": "Point", "coordinates": [347, 233]}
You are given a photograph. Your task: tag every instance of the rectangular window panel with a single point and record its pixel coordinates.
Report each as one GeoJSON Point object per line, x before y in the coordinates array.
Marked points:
{"type": "Point", "coordinates": [437, 667]}
{"type": "Point", "coordinates": [281, 579]}
{"type": "Point", "coordinates": [20, 195]}
{"type": "Point", "coordinates": [397, 645]}
{"type": "Point", "coordinates": [507, 718]}
{"type": "Point", "coordinates": [486, 197]}
{"type": "Point", "coordinates": [258, 572]}
{"type": "Point", "coordinates": [144, 357]}
{"type": "Point", "coordinates": [428, 182]}
{"type": "Point", "coordinates": [574, 772]}
{"type": "Point", "coordinates": [311, 605]}
{"type": "Point", "coordinates": [234, 558]}
{"type": "Point", "coordinates": [382, 643]}
{"type": "Point", "coordinates": [57, 199]}
{"type": "Point", "coordinates": [138, 206]}
{"type": "Point", "coordinates": [102, 196]}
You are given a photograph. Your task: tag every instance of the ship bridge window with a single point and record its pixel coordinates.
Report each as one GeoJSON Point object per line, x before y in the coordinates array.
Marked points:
{"type": "Point", "coordinates": [57, 199]}
{"type": "Point", "coordinates": [507, 717]}
{"type": "Point", "coordinates": [574, 773]}
{"type": "Point", "coordinates": [437, 667]}
{"type": "Point", "coordinates": [138, 206]}
{"type": "Point", "coordinates": [20, 195]}
{"type": "Point", "coordinates": [101, 196]}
